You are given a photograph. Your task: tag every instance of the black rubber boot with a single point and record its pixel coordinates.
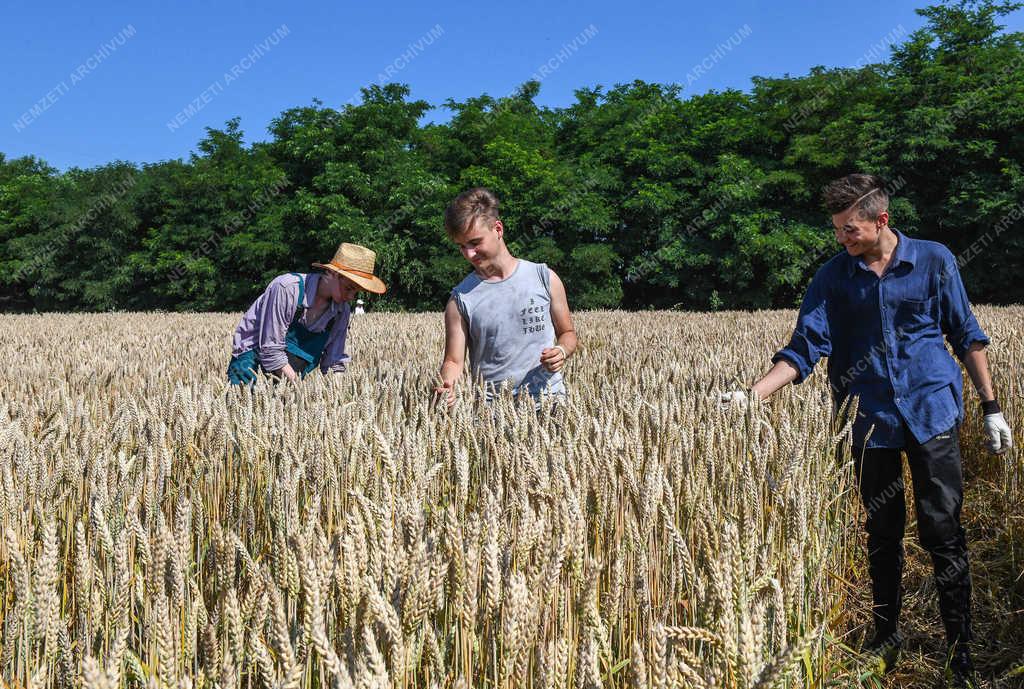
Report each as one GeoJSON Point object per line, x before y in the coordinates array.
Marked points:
{"type": "Point", "coordinates": [960, 673]}
{"type": "Point", "coordinates": [883, 651]}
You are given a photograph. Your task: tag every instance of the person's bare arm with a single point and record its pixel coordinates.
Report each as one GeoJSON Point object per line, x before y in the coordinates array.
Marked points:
{"type": "Point", "coordinates": [976, 363]}
{"type": "Point", "coordinates": [455, 338]}
{"type": "Point", "coordinates": [553, 358]}
{"type": "Point", "coordinates": [779, 376]}
{"type": "Point", "coordinates": [998, 437]}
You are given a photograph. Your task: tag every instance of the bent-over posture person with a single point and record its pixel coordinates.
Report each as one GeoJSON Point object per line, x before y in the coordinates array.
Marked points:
{"type": "Point", "coordinates": [512, 315]}
{"type": "Point", "coordinates": [879, 311]}
{"type": "Point", "coordinates": [300, 321]}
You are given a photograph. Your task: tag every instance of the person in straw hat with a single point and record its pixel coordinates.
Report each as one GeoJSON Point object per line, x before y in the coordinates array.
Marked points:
{"type": "Point", "coordinates": [301, 319]}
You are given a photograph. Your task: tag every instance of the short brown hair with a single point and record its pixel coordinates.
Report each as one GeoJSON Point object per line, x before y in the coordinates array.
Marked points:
{"type": "Point", "coordinates": [465, 208]}
{"type": "Point", "coordinates": [868, 190]}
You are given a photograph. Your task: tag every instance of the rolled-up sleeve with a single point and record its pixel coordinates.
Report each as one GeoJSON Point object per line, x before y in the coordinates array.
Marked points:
{"type": "Point", "coordinates": [277, 313]}
{"type": "Point", "coordinates": [811, 338]}
{"type": "Point", "coordinates": [956, 317]}
{"type": "Point", "coordinates": [335, 360]}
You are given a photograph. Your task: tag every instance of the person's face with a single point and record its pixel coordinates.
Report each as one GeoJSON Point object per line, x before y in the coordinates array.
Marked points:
{"type": "Point", "coordinates": [856, 232]}
{"type": "Point", "coordinates": [339, 288]}
{"type": "Point", "coordinates": [481, 243]}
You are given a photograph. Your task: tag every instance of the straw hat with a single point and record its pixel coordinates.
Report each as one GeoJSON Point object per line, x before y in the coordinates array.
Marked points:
{"type": "Point", "coordinates": [356, 263]}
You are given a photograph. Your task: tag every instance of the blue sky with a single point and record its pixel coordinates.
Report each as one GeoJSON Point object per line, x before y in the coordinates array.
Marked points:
{"type": "Point", "coordinates": [103, 81]}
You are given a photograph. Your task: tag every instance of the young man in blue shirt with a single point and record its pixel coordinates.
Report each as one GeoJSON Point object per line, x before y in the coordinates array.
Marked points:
{"type": "Point", "coordinates": [879, 311]}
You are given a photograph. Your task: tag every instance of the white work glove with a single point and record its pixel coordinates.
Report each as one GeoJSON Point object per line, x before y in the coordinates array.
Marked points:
{"type": "Point", "coordinates": [734, 399]}
{"type": "Point", "coordinates": [998, 438]}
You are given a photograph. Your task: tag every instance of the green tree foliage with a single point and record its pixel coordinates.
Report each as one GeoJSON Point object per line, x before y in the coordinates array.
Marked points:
{"type": "Point", "coordinates": [637, 195]}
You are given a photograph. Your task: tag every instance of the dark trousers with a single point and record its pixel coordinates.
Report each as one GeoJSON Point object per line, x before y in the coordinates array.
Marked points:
{"type": "Point", "coordinates": [938, 495]}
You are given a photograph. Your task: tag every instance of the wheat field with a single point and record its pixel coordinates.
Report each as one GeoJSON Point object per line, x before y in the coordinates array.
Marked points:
{"type": "Point", "coordinates": [163, 530]}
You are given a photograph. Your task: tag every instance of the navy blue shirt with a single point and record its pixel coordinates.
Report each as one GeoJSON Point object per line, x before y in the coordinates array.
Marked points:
{"type": "Point", "coordinates": [884, 340]}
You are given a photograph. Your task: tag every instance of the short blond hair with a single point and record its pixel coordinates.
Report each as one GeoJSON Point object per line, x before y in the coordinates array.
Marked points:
{"type": "Point", "coordinates": [465, 208]}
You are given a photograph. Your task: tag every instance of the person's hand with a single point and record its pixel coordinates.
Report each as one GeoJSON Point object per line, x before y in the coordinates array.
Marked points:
{"type": "Point", "coordinates": [998, 438]}
{"type": "Point", "coordinates": [445, 391]}
{"type": "Point", "coordinates": [553, 358]}
{"type": "Point", "coordinates": [286, 373]}
{"type": "Point", "coordinates": [734, 399]}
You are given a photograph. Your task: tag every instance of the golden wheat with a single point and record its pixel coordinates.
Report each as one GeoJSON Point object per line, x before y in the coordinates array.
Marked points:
{"type": "Point", "coordinates": [163, 530]}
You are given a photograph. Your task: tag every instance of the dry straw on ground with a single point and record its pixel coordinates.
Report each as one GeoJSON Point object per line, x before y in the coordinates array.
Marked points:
{"type": "Point", "coordinates": [161, 530]}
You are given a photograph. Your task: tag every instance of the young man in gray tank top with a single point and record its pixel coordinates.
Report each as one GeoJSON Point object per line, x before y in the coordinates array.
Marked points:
{"type": "Point", "coordinates": [511, 315]}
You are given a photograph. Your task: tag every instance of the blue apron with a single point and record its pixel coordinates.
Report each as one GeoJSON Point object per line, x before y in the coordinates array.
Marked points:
{"type": "Point", "coordinates": [300, 341]}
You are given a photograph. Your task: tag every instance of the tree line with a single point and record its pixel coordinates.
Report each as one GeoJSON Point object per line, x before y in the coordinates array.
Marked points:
{"type": "Point", "coordinates": [639, 195]}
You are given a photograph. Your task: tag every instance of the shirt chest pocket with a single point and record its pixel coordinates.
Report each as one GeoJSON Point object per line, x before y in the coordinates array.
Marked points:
{"type": "Point", "coordinates": [916, 315]}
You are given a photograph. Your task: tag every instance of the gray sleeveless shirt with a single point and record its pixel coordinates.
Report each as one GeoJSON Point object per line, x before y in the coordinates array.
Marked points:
{"type": "Point", "coordinates": [509, 324]}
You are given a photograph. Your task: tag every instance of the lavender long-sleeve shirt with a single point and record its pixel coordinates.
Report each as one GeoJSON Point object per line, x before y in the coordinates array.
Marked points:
{"type": "Point", "coordinates": [265, 325]}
